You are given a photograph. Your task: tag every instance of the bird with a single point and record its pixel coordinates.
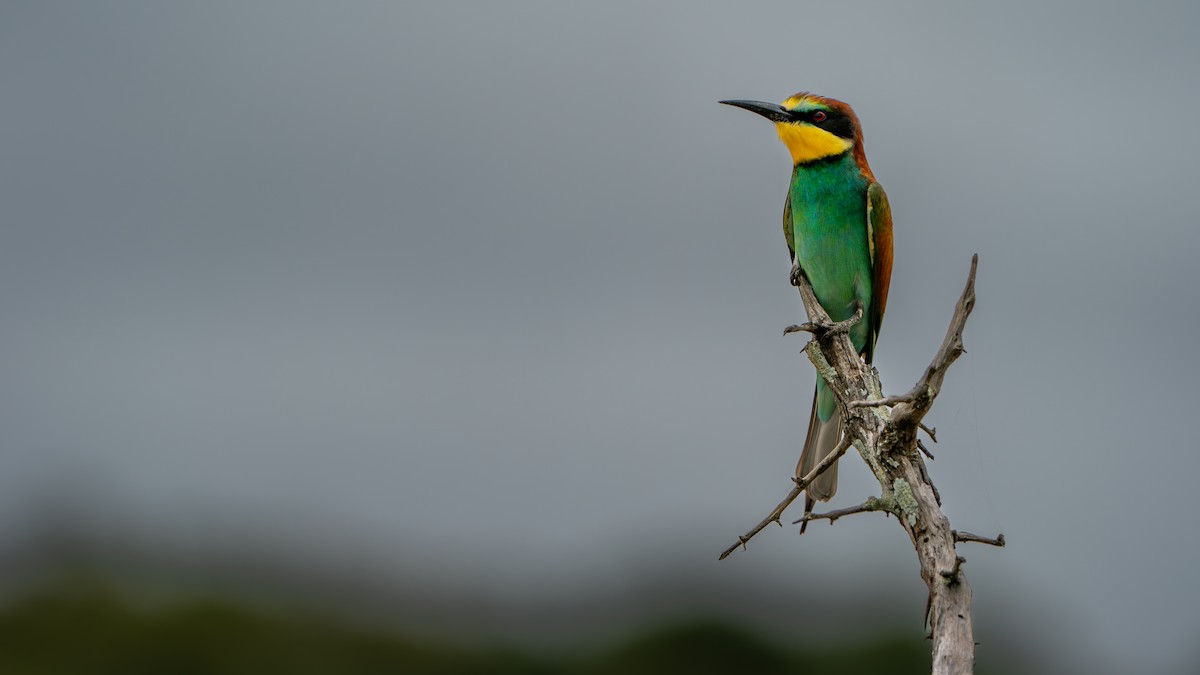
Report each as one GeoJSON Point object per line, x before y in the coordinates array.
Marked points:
{"type": "Point", "coordinates": [838, 227]}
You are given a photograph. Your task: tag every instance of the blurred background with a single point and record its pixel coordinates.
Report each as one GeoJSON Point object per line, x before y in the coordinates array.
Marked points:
{"type": "Point", "coordinates": [445, 337]}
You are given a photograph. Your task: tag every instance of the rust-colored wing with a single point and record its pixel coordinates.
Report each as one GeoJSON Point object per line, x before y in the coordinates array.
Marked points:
{"type": "Point", "coordinates": [879, 224]}
{"type": "Point", "coordinates": [787, 227]}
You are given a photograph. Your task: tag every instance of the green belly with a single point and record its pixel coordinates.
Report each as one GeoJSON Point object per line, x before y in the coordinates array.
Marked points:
{"type": "Point", "coordinates": [828, 202]}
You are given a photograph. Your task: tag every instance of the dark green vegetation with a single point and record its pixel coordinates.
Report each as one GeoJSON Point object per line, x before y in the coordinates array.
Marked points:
{"type": "Point", "coordinates": [74, 629]}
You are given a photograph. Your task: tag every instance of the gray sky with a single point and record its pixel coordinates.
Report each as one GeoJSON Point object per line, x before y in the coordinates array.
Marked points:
{"type": "Point", "coordinates": [498, 288]}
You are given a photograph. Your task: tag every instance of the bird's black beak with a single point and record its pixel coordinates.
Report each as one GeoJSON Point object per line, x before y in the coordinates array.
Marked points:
{"type": "Point", "coordinates": [771, 111]}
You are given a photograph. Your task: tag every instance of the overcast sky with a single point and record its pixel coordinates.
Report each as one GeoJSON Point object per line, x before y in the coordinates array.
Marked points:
{"type": "Point", "coordinates": [499, 287]}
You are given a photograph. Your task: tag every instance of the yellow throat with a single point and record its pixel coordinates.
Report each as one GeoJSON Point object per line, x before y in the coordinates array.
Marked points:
{"type": "Point", "coordinates": [807, 142]}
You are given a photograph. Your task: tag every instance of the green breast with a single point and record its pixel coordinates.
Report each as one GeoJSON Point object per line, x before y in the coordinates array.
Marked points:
{"type": "Point", "coordinates": [828, 201]}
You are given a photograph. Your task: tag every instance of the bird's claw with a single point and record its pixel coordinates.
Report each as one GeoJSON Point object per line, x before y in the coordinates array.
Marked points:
{"type": "Point", "coordinates": [796, 274]}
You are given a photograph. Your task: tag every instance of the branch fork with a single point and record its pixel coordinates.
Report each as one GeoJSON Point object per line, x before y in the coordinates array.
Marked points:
{"type": "Point", "coordinates": [885, 430]}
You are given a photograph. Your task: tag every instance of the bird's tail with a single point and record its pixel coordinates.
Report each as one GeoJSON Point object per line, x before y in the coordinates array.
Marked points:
{"type": "Point", "coordinates": [823, 438]}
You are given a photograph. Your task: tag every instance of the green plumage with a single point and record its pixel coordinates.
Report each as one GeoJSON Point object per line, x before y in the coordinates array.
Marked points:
{"type": "Point", "coordinates": [834, 219]}
{"type": "Point", "coordinates": [825, 222]}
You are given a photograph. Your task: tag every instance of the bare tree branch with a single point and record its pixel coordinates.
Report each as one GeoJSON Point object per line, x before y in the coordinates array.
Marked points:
{"type": "Point", "coordinates": [825, 327]}
{"type": "Point", "coordinates": [884, 430]}
{"type": "Point", "coordinates": [872, 504]}
{"type": "Point", "coordinates": [931, 431]}
{"type": "Point", "coordinates": [967, 536]}
{"type": "Point", "coordinates": [888, 401]}
{"type": "Point", "coordinates": [801, 483]}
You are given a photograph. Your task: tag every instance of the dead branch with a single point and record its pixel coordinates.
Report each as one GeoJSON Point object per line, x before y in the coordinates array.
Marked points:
{"type": "Point", "coordinates": [826, 327]}
{"type": "Point", "coordinates": [872, 504]}
{"type": "Point", "coordinates": [887, 401]}
{"type": "Point", "coordinates": [801, 483]}
{"type": "Point", "coordinates": [884, 430]}
{"type": "Point", "coordinates": [932, 431]}
{"type": "Point", "coordinates": [967, 536]}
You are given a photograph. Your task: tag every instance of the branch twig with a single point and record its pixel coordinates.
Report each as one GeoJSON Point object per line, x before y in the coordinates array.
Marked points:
{"type": "Point", "coordinates": [932, 431]}
{"type": "Point", "coordinates": [826, 327]}
{"type": "Point", "coordinates": [872, 504]}
{"type": "Point", "coordinates": [967, 536]}
{"type": "Point", "coordinates": [888, 401]}
{"type": "Point", "coordinates": [801, 483]}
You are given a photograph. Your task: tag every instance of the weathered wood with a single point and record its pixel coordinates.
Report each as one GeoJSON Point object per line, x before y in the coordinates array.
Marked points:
{"type": "Point", "coordinates": [884, 431]}
{"type": "Point", "coordinates": [801, 483]}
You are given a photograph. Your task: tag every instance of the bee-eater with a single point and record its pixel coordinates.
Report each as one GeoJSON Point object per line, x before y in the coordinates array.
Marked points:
{"type": "Point", "coordinates": [838, 227]}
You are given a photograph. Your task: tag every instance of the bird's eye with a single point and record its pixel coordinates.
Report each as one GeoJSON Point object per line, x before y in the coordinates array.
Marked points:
{"type": "Point", "coordinates": [819, 116]}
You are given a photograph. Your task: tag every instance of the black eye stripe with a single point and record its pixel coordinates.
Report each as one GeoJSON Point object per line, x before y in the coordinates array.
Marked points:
{"type": "Point", "coordinates": [835, 122]}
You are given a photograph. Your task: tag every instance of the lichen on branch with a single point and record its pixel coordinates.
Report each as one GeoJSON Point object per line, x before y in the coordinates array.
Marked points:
{"type": "Point", "coordinates": [885, 432]}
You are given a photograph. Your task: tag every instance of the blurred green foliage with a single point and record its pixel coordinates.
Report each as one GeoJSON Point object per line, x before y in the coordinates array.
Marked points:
{"type": "Point", "coordinates": [86, 629]}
